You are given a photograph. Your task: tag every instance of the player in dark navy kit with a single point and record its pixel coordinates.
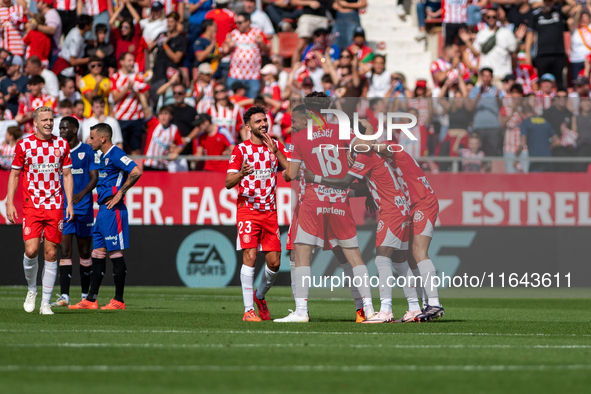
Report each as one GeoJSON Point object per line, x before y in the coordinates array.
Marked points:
{"type": "Point", "coordinates": [117, 174]}
{"type": "Point", "coordinates": [85, 174]}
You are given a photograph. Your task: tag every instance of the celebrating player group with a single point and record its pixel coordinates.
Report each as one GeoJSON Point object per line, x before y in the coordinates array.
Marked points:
{"type": "Point", "coordinates": [59, 175]}
{"type": "Point", "coordinates": [329, 172]}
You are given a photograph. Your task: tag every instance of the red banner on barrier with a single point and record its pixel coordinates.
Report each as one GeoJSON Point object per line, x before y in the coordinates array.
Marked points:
{"type": "Point", "coordinates": [551, 199]}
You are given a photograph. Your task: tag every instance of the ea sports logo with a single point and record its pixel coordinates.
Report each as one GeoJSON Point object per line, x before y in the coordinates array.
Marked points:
{"type": "Point", "coordinates": [418, 216]}
{"type": "Point", "coordinates": [246, 238]}
{"type": "Point", "coordinates": [380, 225]}
{"type": "Point", "coordinates": [60, 226]}
{"type": "Point", "coordinates": [27, 230]}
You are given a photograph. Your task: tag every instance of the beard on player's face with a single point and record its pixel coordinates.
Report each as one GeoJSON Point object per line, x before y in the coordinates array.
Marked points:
{"type": "Point", "coordinates": [262, 129]}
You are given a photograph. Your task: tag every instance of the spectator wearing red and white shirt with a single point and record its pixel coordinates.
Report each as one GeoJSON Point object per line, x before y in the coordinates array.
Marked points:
{"type": "Point", "coordinates": [226, 114]}
{"type": "Point", "coordinates": [246, 46]}
{"type": "Point", "coordinates": [38, 44]}
{"type": "Point", "coordinates": [525, 74]}
{"type": "Point", "coordinates": [100, 10]}
{"type": "Point", "coordinates": [546, 93]}
{"type": "Point", "coordinates": [511, 119]}
{"type": "Point", "coordinates": [455, 16]}
{"type": "Point", "coordinates": [126, 87]}
{"type": "Point", "coordinates": [53, 26]}
{"type": "Point", "coordinates": [271, 87]}
{"type": "Point", "coordinates": [8, 146]}
{"type": "Point", "coordinates": [164, 140]}
{"type": "Point", "coordinates": [12, 20]}
{"type": "Point", "coordinates": [449, 66]}
{"type": "Point", "coordinates": [472, 156]}
{"type": "Point", "coordinates": [213, 141]}
{"type": "Point", "coordinates": [204, 87]}
{"type": "Point", "coordinates": [31, 101]}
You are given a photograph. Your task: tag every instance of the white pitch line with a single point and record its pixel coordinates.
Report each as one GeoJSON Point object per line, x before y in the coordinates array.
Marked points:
{"type": "Point", "coordinates": [279, 345]}
{"type": "Point", "coordinates": [22, 330]}
{"type": "Point", "coordinates": [293, 368]}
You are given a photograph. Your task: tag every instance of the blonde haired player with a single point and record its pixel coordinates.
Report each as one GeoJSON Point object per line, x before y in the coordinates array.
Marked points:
{"type": "Point", "coordinates": [43, 157]}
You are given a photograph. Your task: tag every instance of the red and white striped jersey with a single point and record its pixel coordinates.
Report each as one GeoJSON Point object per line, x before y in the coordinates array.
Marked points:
{"type": "Point", "coordinates": [455, 11]}
{"type": "Point", "coordinates": [170, 6]}
{"type": "Point", "coordinates": [257, 190]}
{"type": "Point", "coordinates": [159, 142]}
{"type": "Point", "coordinates": [42, 162]}
{"type": "Point", "coordinates": [443, 65]}
{"type": "Point", "coordinates": [28, 104]}
{"type": "Point", "coordinates": [526, 76]}
{"type": "Point", "coordinates": [543, 101]}
{"type": "Point", "coordinates": [273, 90]}
{"type": "Point", "coordinates": [226, 117]}
{"type": "Point", "coordinates": [471, 162]}
{"type": "Point", "coordinates": [207, 100]}
{"type": "Point", "coordinates": [129, 107]}
{"type": "Point", "coordinates": [11, 29]}
{"type": "Point", "coordinates": [246, 58]}
{"type": "Point", "coordinates": [6, 150]}
{"type": "Point", "coordinates": [65, 5]}
{"type": "Point", "coordinates": [421, 104]}
{"type": "Point", "coordinates": [95, 7]}
{"type": "Point", "coordinates": [512, 130]}
{"type": "Point", "coordinates": [8, 115]}
{"type": "Point", "coordinates": [411, 177]}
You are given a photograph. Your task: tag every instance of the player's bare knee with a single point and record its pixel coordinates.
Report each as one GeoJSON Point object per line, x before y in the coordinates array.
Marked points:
{"type": "Point", "coordinates": [419, 253]}
{"type": "Point", "coordinates": [115, 255]}
{"type": "Point", "coordinates": [273, 261]}
{"type": "Point", "coordinates": [51, 255]}
{"type": "Point", "coordinates": [32, 251]}
{"type": "Point", "coordinates": [99, 253]}
{"type": "Point", "coordinates": [249, 257]}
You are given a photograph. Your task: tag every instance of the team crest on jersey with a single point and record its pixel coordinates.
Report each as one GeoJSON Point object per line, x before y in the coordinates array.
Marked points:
{"type": "Point", "coordinates": [246, 238]}
{"type": "Point", "coordinates": [107, 161]}
{"type": "Point", "coordinates": [57, 153]}
{"type": "Point", "coordinates": [27, 230]}
{"type": "Point", "coordinates": [380, 225]}
{"type": "Point", "coordinates": [60, 226]}
{"type": "Point", "coordinates": [418, 216]}
{"type": "Point", "coordinates": [272, 157]}
{"type": "Point", "coordinates": [81, 155]}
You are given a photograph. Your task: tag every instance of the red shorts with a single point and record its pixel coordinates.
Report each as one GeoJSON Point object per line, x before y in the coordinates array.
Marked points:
{"type": "Point", "coordinates": [393, 230]}
{"type": "Point", "coordinates": [292, 228]}
{"type": "Point", "coordinates": [43, 222]}
{"type": "Point", "coordinates": [258, 230]}
{"type": "Point", "coordinates": [424, 215]}
{"type": "Point", "coordinates": [320, 221]}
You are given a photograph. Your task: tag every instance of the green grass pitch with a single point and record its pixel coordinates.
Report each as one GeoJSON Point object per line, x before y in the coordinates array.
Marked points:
{"type": "Point", "coordinates": [179, 340]}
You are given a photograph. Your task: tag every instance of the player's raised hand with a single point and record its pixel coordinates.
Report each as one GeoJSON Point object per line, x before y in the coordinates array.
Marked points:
{"type": "Point", "coordinates": [70, 212]}
{"type": "Point", "coordinates": [309, 176]}
{"type": "Point", "coordinates": [11, 213]}
{"type": "Point", "coordinates": [246, 170]}
{"type": "Point", "coordinates": [268, 141]}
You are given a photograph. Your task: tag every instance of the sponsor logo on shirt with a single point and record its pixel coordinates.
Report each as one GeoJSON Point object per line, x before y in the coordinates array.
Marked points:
{"type": "Point", "coordinates": [265, 173]}
{"type": "Point", "coordinates": [45, 167]}
{"type": "Point", "coordinates": [78, 171]}
{"type": "Point", "coordinates": [111, 238]}
{"type": "Point", "coordinates": [330, 210]}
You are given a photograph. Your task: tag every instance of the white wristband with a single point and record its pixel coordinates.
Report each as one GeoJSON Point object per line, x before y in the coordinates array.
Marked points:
{"type": "Point", "coordinates": [317, 179]}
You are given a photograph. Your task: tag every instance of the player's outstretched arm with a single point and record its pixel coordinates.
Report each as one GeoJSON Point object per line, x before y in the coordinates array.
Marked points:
{"type": "Point", "coordinates": [337, 183]}
{"type": "Point", "coordinates": [12, 185]}
{"type": "Point", "coordinates": [69, 190]}
{"type": "Point", "coordinates": [234, 178]}
{"type": "Point", "coordinates": [134, 176]}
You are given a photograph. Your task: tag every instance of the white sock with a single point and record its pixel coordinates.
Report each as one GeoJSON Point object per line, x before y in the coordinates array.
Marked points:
{"type": "Point", "coordinates": [428, 272]}
{"type": "Point", "coordinates": [48, 280]}
{"type": "Point", "coordinates": [348, 270]}
{"type": "Point", "coordinates": [31, 267]}
{"type": "Point", "coordinates": [410, 292]}
{"type": "Point", "coordinates": [361, 276]}
{"type": "Point", "coordinates": [420, 290]}
{"type": "Point", "coordinates": [292, 269]}
{"type": "Point", "coordinates": [84, 295]}
{"type": "Point", "coordinates": [303, 277]}
{"type": "Point", "coordinates": [384, 266]}
{"type": "Point", "coordinates": [267, 280]}
{"type": "Point", "coordinates": [247, 281]}
{"type": "Point", "coordinates": [66, 296]}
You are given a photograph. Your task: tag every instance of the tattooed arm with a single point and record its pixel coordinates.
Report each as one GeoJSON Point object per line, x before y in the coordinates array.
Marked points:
{"type": "Point", "coordinates": [134, 176]}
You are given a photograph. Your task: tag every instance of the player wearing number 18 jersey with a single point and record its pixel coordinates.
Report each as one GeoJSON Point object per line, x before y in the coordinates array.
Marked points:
{"type": "Point", "coordinates": [253, 166]}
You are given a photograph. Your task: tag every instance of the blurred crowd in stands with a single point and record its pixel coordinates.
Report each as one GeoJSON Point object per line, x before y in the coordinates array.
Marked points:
{"type": "Point", "coordinates": [512, 78]}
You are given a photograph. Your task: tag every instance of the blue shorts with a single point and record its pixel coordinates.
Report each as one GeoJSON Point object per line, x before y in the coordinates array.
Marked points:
{"type": "Point", "coordinates": [81, 225]}
{"type": "Point", "coordinates": [111, 228]}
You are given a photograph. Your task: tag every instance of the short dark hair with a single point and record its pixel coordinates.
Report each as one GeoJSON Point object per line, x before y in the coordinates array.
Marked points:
{"type": "Point", "coordinates": [103, 128]}
{"type": "Point", "coordinates": [206, 23]}
{"type": "Point", "coordinates": [167, 108]}
{"type": "Point", "coordinates": [317, 101]}
{"type": "Point", "coordinates": [101, 27]}
{"type": "Point", "coordinates": [253, 111]}
{"type": "Point", "coordinates": [174, 16]}
{"type": "Point", "coordinates": [84, 20]}
{"type": "Point", "coordinates": [180, 84]}
{"type": "Point", "coordinates": [245, 15]}
{"type": "Point", "coordinates": [516, 87]}
{"type": "Point", "coordinates": [484, 69]}
{"type": "Point", "coordinates": [373, 102]}
{"type": "Point", "coordinates": [95, 59]}
{"type": "Point", "coordinates": [383, 57]}
{"type": "Point", "coordinates": [475, 135]}
{"type": "Point", "coordinates": [563, 90]}
{"type": "Point", "coordinates": [72, 120]}
{"type": "Point", "coordinates": [36, 80]}
{"type": "Point", "coordinates": [78, 102]}
{"type": "Point", "coordinates": [122, 56]}
{"type": "Point", "coordinates": [259, 100]}
{"type": "Point", "coordinates": [97, 99]}
{"type": "Point", "coordinates": [15, 131]}
{"type": "Point", "coordinates": [65, 80]}
{"type": "Point", "coordinates": [326, 78]}
{"type": "Point", "coordinates": [34, 60]}
{"type": "Point", "coordinates": [65, 103]}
